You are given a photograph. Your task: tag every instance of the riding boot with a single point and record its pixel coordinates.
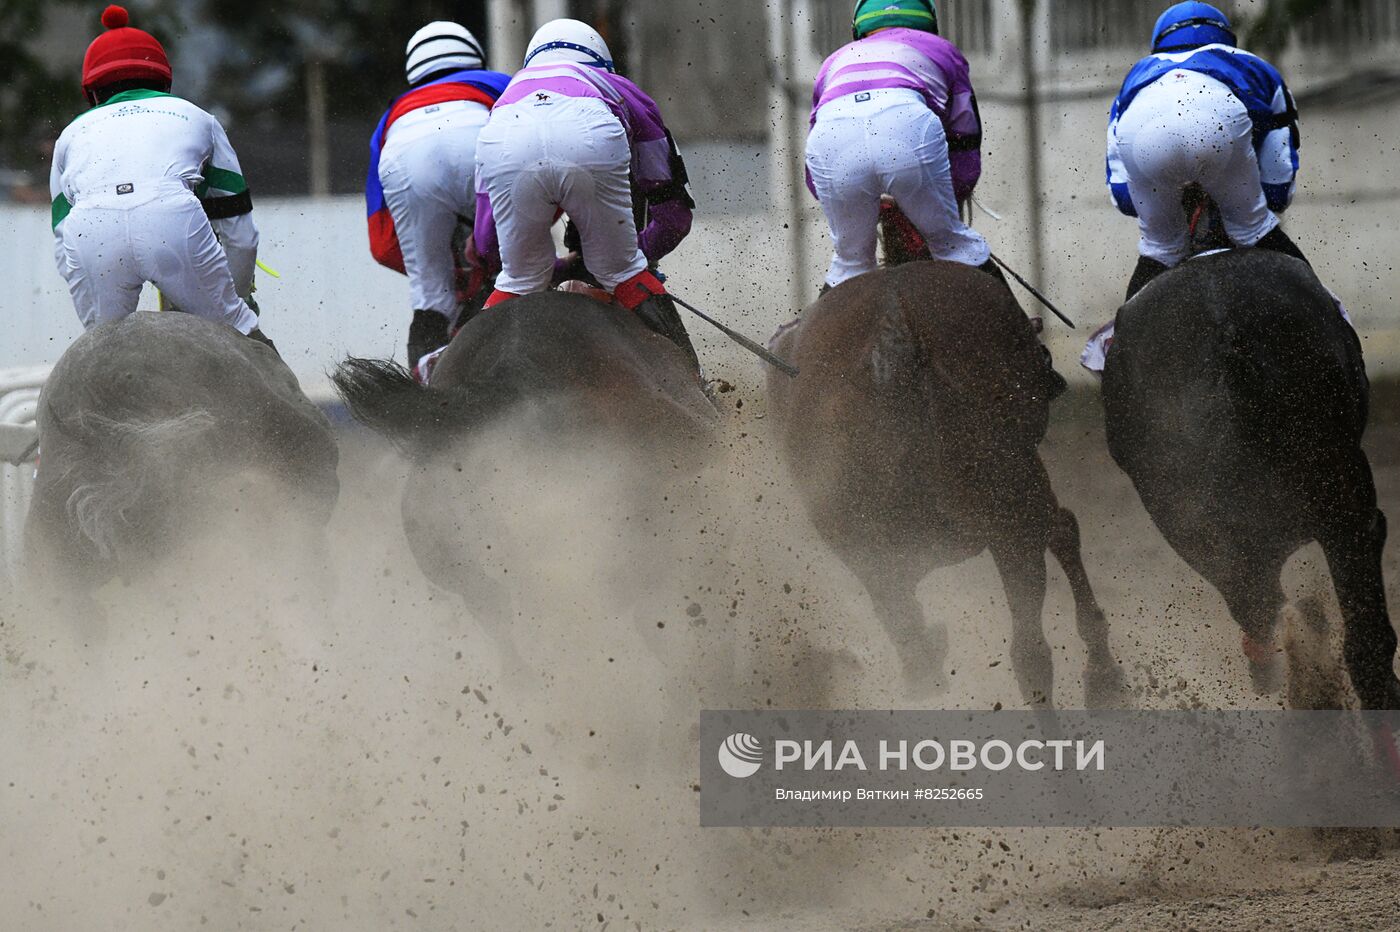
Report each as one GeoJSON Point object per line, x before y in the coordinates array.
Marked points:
{"type": "Point", "coordinates": [994, 270]}
{"type": "Point", "coordinates": [1278, 241]}
{"type": "Point", "coordinates": [659, 313]}
{"type": "Point", "coordinates": [497, 296]}
{"type": "Point", "coordinates": [429, 331]}
{"type": "Point", "coordinates": [1147, 269]}
{"type": "Point", "coordinates": [644, 295]}
{"type": "Point", "coordinates": [257, 334]}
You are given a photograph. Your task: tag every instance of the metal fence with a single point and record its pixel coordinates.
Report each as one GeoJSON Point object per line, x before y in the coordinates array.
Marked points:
{"type": "Point", "coordinates": [1082, 25]}
{"type": "Point", "coordinates": [1352, 24]}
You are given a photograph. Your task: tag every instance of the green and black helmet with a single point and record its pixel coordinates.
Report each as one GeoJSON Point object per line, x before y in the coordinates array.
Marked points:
{"type": "Point", "coordinates": [871, 15]}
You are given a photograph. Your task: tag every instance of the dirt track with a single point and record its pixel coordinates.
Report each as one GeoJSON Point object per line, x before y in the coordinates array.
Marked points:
{"type": "Point", "coordinates": [238, 750]}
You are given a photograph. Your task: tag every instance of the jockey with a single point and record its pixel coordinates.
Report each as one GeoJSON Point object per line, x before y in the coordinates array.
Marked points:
{"type": "Point", "coordinates": [422, 166]}
{"type": "Point", "coordinates": [893, 113]}
{"type": "Point", "coordinates": [571, 135]}
{"type": "Point", "coordinates": [146, 187]}
{"type": "Point", "coordinates": [1199, 109]}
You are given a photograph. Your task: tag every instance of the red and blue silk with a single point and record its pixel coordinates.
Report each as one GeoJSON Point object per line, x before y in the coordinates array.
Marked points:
{"type": "Point", "coordinates": [483, 87]}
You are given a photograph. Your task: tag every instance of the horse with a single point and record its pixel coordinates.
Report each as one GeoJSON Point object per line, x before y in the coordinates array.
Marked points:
{"type": "Point", "coordinates": [554, 384]}
{"type": "Point", "coordinates": [1235, 397]}
{"type": "Point", "coordinates": [140, 422]}
{"type": "Point", "coordinates": [912, 436]}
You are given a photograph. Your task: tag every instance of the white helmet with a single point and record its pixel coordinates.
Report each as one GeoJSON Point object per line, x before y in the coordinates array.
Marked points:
{"type": "Point", "coordinates": [439, 46]}
{"type": "Point", "coordinates": [568, 40]}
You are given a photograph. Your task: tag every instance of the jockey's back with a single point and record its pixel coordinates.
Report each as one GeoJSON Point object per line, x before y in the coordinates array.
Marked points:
{"type": "Point", "coordinates": [1254, 82]}
{"type": "Point", "coordinates": [125, 151]}
{"type": "Point", "coordinates": [920, 61]}
{"type": "Point", "coordinates": [421, 184]}
{"type": "Point", "coordinates": [653, 165]}
{"type": "Point", "coordinates": [1257, 84]}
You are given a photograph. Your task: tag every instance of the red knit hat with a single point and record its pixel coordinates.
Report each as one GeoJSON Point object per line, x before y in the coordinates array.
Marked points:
{"type": "Point", "coordinates": [122, 53]}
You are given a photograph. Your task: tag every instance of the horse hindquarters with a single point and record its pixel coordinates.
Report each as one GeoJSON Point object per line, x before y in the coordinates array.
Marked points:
{"type": "Point", "coordinates": [1235, 399]}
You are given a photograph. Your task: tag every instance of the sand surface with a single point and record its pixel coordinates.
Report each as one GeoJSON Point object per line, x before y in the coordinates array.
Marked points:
{"type": "Point", "coordinates": [259, 739]}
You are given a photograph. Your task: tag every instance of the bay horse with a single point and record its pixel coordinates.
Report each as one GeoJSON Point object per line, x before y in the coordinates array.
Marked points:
{"type": "Point", "coordinates": [141, 419]}
{"type": "Point", "coordinates": [912, 435]}
{"type": "Point", "coordinates": [1235, 398]}
{"type": "Point", "coordinates": [558, 383]}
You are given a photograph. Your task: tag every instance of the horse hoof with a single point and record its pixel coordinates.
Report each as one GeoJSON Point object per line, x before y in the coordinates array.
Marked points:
{"type": "Point", "coordinates": [1267, 677]}
{"type": "Point", "coordinates": [1104, 688]}
{"type": "Point", "coordinates": [1386, 750]}
{"type": "Point", "coordinates": [925, 680]}
{"type": "Point", "coordinates": [923, 669]}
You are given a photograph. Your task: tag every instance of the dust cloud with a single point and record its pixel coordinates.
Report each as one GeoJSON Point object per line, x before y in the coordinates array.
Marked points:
{"type": "Point", "coordinates": [264, 735]}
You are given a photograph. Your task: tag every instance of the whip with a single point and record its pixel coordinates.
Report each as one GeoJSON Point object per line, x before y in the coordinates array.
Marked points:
{"type": "Point", "coordinates": [762, 352]}
{"type": "Point", "coordinates": [1012, 272]}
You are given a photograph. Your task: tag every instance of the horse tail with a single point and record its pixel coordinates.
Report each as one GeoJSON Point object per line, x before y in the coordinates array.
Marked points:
{"type": "Point", "coordinates": [383, 396]}
{"type": "Point", "coordinates": [901, 240]}
{"type": "Point", "coordinates": [118, 467]}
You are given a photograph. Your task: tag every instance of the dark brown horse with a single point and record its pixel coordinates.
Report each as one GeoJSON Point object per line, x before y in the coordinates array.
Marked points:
{"type": "Point", "coordinates": [1235, 397]}
{"type": "Point", "coordinates": [912, 434]}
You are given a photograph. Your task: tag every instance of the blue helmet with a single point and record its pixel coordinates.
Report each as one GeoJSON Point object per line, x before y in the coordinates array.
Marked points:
{"type": "Point", "coordinates": [1191, 25]}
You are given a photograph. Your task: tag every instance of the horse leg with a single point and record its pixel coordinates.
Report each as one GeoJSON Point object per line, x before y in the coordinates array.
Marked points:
{"type": "Point", "coordinates": [1103, 680]}
{"type": "Point", "coordinates": [1255, 599]}
{"type": "Point", "coordinates": [447, 563]}
{"type": "Point", "coordinates": [1354, 557]}
{"type": "Point", "coordinates": [497, 628]}
{"type": "Point", "coordinates": [892, 583]}
{"type": "Point", "coordinates": [61, 567]}
{"type": "Point", "coordinates": [1022, 568]}
{"type": "Point", "coordinates": [491, 605]}
{"type": "Point", "coordinates": [1024, 511]}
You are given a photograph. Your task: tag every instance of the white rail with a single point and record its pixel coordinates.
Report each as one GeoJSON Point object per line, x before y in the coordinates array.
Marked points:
{"type": "Point", "coordinates": [19, 403]}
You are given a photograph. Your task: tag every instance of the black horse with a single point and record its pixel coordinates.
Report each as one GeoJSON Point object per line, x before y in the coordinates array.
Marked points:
{"type": "Point", "coordinates": [912, 435]}
{"type": "Point", "coordinates": [140, 422]}
{"type": "Point", "coordinates": [566, 393]}
{"type": "Point", "coordinates": [1235, 398]}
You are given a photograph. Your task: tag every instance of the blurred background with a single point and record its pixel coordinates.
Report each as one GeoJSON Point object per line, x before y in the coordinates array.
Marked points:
{"type": "Point", "coordinates": [300, 89]}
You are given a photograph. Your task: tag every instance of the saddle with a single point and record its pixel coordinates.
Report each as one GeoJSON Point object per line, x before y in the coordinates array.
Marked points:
{"type": "Point", "coordinates": [577, 286]}
{"type": "Point", "coordinates": [423, 370]}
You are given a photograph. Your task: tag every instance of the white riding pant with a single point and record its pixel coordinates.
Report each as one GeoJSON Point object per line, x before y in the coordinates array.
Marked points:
{"type": "Point", "coordinates": [110, 245]}
{"type": "Point", "coordinates": [428, 170]}
{"type": "Point", "coordinates": [1187, 127]}
{"type": "Point", "coordinates": [885, 142]}
{"type": "Point", "coordinates": [536, 157]}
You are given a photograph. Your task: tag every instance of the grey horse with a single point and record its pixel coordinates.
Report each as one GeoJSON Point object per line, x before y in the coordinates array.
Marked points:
{"type": "Point", "coordinates": [553, 387]}
{"type": "Point", "coordinates": [141, 417]}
